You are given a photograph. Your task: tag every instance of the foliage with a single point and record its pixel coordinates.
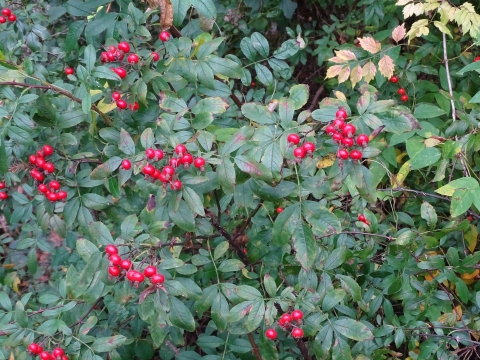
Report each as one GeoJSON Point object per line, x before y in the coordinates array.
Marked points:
{"type": "Point", "coordinates": [379, 252]}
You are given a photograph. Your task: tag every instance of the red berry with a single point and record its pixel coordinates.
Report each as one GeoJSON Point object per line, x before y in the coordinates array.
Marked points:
{"type": "Point", "coordinates": [337, 137]}
{"type": "Point", "coordinates": [114, 271]}
{"type": "Point", "coordinates": [330, 130]}
{"type": "Point", "coordinates": [150, 153]}
{"type": "Point", "coordinates": [470, 218]}
{"type": "Point", "coordinates": [173, 162]}
{"type": "Point", "coordinates": [168, 171]}
{"type": "Point", "coordinates": [116, 95]}
{"type": "Point", "coordinates": [180, 149]}
{"type": "Point", "coordinates": [176, 185]}
{"type": "Point", "coordinates": [338, 124]}
{"type": "Point", "coordinates": [69, 71]}
{"type": "Point", "coordinates": [111, 57]}
{"type": "Point", "coordinates": [286, 318]}
{"type": "Point", "coordinates": [297, 333]}
{"type": "Point", "coordinates": [148, 170]}
{"type": "Point", "coordinates": [32, 159]}
{"type": "Point", "coordinates": [271, 334]}
{"type": "Point", "coordinates": [126, 164]}
{"type": "Point", "coordinates": [40, 162]}
{"type": "Point", "coordinates": [2, 185]}
{"type": "Point", "coordinates": [3, 196]}
{"type": "Point", "coordinates": [155, 56]}
{"type": "Point", "coordinates": [349, 130]}
{"type": "Point", "coordinates": [37, 176]}
{"type": "Point", "coordinates": [57, 352]}
{"type": "Point", "coordinates": [341, 114]}
{"type": "Point", "coordinates": [3, 20]}
{"type": "Point", "coordinates": [134, 106]}
{"type": "Point", "coordinates": [157, 279]}
{"type": "Point", "coordinates": [130, 274]}
{"type": "Point", "coordinates": [120, 72]}
{"type": "Point", "coordinates": [401, 91]}
{"type": "Point", "coordinates": [362, 218]}
{"type": "Point", "coordinates": [394, 79]}
{"type": "Point", "coordinates": [186, 159]}
{"type": "Point", "coordinates": [199, 163]}
{"type": "Point", "coordinates": [150, 271]}
{"type": "Point", "coordinates": [119, 55]}
{"type": "Point", "coordinates": [133, 58]}
{"type": "Point", "coordinates": [49, 167]}
{"type": "Point", "coordinates": [297, 315]}
{"type": "Point", "coordinates": [112, 49]}
{"type": "Point", "coordinates": [45, 356]}
{"type": "Point", "coordinates": [54, 185]}
{"type": "Point", "coordinates": [115, 259]}
{"type": "Point", "coordinates": [355, 155]}
{"type": "Point", "coordinates": [126, 264]}
{"type": "Point", "coordinates": [362, 140]}
{"type": "Point", "coordinates": [477, 58]}
{"type": "Point", "coordinates": [293, 139]}
{"type": "Point", "coordinates": [279, 210]}
{"type": "Point", "coordinates": [156, 174]}
{"type": "Point", "coordinates": [164, 36]}
{"type": "Point", "coordinates": [299, 152]}
{"type": "Point", "coordinates": [47, 150]}
{"type": "Point", "coordinates": [342, 154]}
{"type": "Point", "coordinates": [6, 12]}
{"type": "Point", "coordinates": [159, 154]}
{"type": "Point", "coordinates": [40, 153]}
{"type": "Point", "coordinates": [404, 98]}
{"type": "Point", "coordinates": [111, 249]}
{"type": "Point", "coordinates": [138, 277]}
{"type": "Point", "coordinates": [104, 57]}
{"type": "Point", "coordinates": [253, 84]}
{"type": "Point", "coordinates": [348, 142]}
{"type": "Point", "coordinates": [52, 197]}
{"type": "Point", "coordinates": [64, 357]}
{"type": "Point", "coordinates": [163, 178]}
{"type": "Point", "coordinates": [309, 147]}
{"type": "Point", "coordinates": [12, 18]}
{"type": "Point", "coordinates": [35, 348]}
{"type": "Point", "coordinates": [121, 104]}
{"type": "Point", "coordinates": [62, 194]}
{"type": "Point", "coordinates": [124, 46]}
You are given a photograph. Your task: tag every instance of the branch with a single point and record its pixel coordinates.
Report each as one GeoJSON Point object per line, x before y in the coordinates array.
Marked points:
{"type": "Point", "coordinates": [389, 238]}
{"type": "Point", "coordinates": [88, 312]}
{"type": "Point", "coordinates": [254, 346]}
{"type": "Point", "coordinates": [449, 80]}
{"type": "Point", "coordinates": [247, 222]}
{"type": "Point", "coordinates": [315, 98]}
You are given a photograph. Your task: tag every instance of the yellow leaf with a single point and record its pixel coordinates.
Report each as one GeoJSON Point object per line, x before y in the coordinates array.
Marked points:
{"type": "Point", "coordinates": [386, 66]}
{"type": "Point", "coordinates": [431, 142]}
{"type": "Point", "coordinates": [356, 75]}
{"type": "Point", "coordinates": [326, 161]}
{"type": "Point", "coordinates": [467, 276]}
{"type": "Point", "coordinates": [106, 107]}
{"type": "Point", "coordinates": [15, 283]}
{"type": "Point", "coordinates": [340, 96]}
{"type": "Point", "coordinates": [403, 2]}
{"type": "Point", "coordinates": [431, 5]}
{"type": "Point", "coordinates": [344, 74]}
{"type": "Point", "coordinates": [370, 44]}
{"type": "Point", "coordinates": [443, 28]}
{"type": "Point", "coordinates": [418, 28]}
{"type": "Point", "coordinates": [337, 60]}
{"type": "Point", "coordinates": [458, 310]}
{"type": "Point", "coordinates": [333, 71]}
{"type": "Point", "coordinates": [412, 9]}
{"type": "Point", "coordinates": [369, 70]}
{"type": "Point", "coordinates": [399, 33]}
{"type": "Point", "coordinates": [345, 55]}
{"type": "Point", "coordinates": [397, 180]}
{"type": "Point", "coordinates": [245, 273]}
{"type": "Point", "coordinates": [471, 238]}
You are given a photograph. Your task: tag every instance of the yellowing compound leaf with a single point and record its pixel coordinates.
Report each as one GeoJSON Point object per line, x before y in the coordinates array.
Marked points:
{"type": "Point", "coordinates": [386, 66]}
{"type": "Point", "coordinates": [356, 75]}
{"type": "Point", "coordinates": [412, 9]}
{"type": "Point", "coordinates": [340, 96]}
{"type": "Point", "coordinates": [345, 55]}
{"type": "Point", "coordinates": [403, 2]}
{"type": "Point", "coordinates": [333, 71]}
{"type": "Point", "coordinates": [370, 44]}
{"type": "Point", "coordinates": [399, 33]}
{"type": "Point", "coordinates": [337, 60]}
{"type": "Point", "coordinates": [443, 28]}
{"type": "Point", "coordinates": [369, 70]}
{"type": "Point", "coordinates": [418, 28]}
{"type": "Point", "coordinates": [344, 74]}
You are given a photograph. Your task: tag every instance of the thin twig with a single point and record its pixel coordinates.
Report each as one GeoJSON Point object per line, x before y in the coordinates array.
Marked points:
{"type": "Point", "coordinates": [315, 98]}
{"type": "Point", "coordinates": [254, 346]}
{"type": "Point", "coordinates": [247, 222]}
{"type": "Point", "coordinates": [447, 70]}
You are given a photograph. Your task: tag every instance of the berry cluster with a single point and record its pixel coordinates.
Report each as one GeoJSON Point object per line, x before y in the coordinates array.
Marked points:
{"type": "Point", "coordinates": [7, 15]}
{"type": "Point", "coordinates": [286, 322]}
{"type": "Point", "coordinates": [363, 219]}
{"type": "Point", "coordinates": [117, 264]}
{"type": "Point", "coordinates": [3, 194]}
{"type": "Point", "coordinates": [122, 104]}
{"type": "Point", "coordinates": [402, 92]}
{"type": "Point", "coordinates": [57, 353]}
{"type": "Point", "coordinates": [52, 192]}
{"type": "Point", "coordinates": [300, 152]}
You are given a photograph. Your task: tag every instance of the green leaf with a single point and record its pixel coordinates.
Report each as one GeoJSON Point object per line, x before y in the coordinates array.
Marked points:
{"type": "Point", "coordinates": [258, 114]}
{"type": "Point", "coordinates": [102, 171]}
{"type": "Point", "coordinates": [351, 287]}
{"type": "Point", "coordinates": [202, 120]}
{"type": "Point", "coordinates": [286, 50]}
{"type": "Point", "coordinates": [231, 265]}
{"type": "Point", "coordinates": [247, 48]}
{"type": "Point", "coordinates": [49, 327]}
{"type": "Point", "coordinates": [254, 169]}
{"type": "Point", "coordinates": [304, 245]}
{"type": "Point", "coordinates": [352, 329]}
{"type": "Point", "coordinates": [462, 199]}
{"type": "Point", "coordinates": [46, 109]}
{"type": "Point", "coordinates": [474, 66]}
{"type": "Point", "coordinates": [5, 301]}
{"type": "Point", "coordinates": [220, 311]}
{"type": "Point", "coordinates": [205, 74]}
{"type": "Point", "coordinates": [299, 94]}
{"type": "Point", "coordinates": [103, 72]}
{"type": "Point", "coordinates": [125, 143]}
{"type": "Point", "coordinates": [424, 158]}
{"type": "Point", "coordinates": [180, 316]}
{"type": "Point", "coordinates": [256, 314]}
{"type": "Point", "coordinates": [285, 224]}
{"type": "Point", "coordinates": [3, 156]}
{"type": "Point", "coordinates": [170, 102]}
{"type": "Point", "coordinates": [213, 105]}
{"type": "Point", "coordinates": [70, 119]}
{"type": "Point", "coordinates": [226, 174]}
{"type": "Point", "coordinates": [106, 344]}
{"type": "Point", "coordinates": [147, 139]}
{"type": "Point", "coordinates": [180, 8]}
{"type": "Point", "coordinates": [193, 200]}
{"type": "Point", "coordinates": [462, 183]}
{"type": "Point", "coordinates": [85, 248]}
{"type": "Point", "coordinates": [209, 47]}
{"type": "Point", "coordinates": [282, 190]}
{"type": "Point", "coordinates": [95, 202]}
{"type": "Point", "coordinates": [335, 258]}
{"type": "Point", "coordinates": [427, 111]}
{"type": "Point", "coordinates": [405, 237]}
{"type": "Point", "coordinates": [429, 214]}
{"type": "Point", "coordinates": [332, 299]}
{"type": "Point", "coordinates": [205, 8]}
{"type": "Point", "coordinates": [260, 43]}
{"type": "Point", "coordinates": [237, 140]}
{"type": "Point", "coordinates": [19, 135]}
{"type": "Point", "coordinates": [183, 216]}
{"type": "Point", "coordinates": [225, 67]}
{"type": "Point", "coordinates": [100, 233]}
{"type": "Point", "coordinates": [264, 75]}
{"type": "Point", "coordinates": [89, 57]}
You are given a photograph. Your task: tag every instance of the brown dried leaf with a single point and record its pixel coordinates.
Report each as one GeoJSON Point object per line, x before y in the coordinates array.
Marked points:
{"type": "Point", "coordinates": [356, 75]}
{"type": "Point", "coordinates": [369, 70]}
{"type": "Point", "coordinates": [386, 66]}
{"type": "Point", "coordinates": [399, 33]}
{"type": "Point", "coordinates": [333, 71]}
{"type": "Point", "coordinates": [370, 44]}
{"type": "Point", "coordinates": [166, 12]}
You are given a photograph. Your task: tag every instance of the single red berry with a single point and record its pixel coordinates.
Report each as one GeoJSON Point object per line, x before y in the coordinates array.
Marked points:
{"type": "Point", "coordinates": [32, 159]}
{"type": "Point", "coordinates": [47, 150]}
{"type": "Point", "coordinates": [126, 164]}
{"type": "Point", "coordinates": [40, 162]}
{"type": "Point", "coordinates": [293, 139]}
{"type": "Point", "coordinates": [155, 56]}
{"type": "Point", "coordinates": [163, 178]}
{"type": "Point", "coordinates": [337, 137]}
{"type": "Point", "coordinates": [45, 356]}
{"type": "Point", "coordinates": [309, 147]}
{"type": "Point", "coordinates": [104, 57]}
{"type": "Point", "coordinates": [349, 130]}
{"type": "Point", "coordinates": [111, 57]}
{"type": "Point", "coordinates": [133, 58]}
{"type": "Point", "coordinates": [148, 170]}
{"type": "Point", "coordinates": [180, 149]}
{"type": "Point", "coordinates": [355, 155]}
{"type": "Point", "coordinates": [3, 19]}
{"type": "Point", "coordinates": [34, 348]}
{"type": "Point", "coordinates": [64, 357]}
{"type": "Point", "coordinates": [164, 36]}
{"type": "Point", "coordinates": [130, 275]}
{"type": "Point", "coordinates": [12, 18]}
{"type": "Point", "coordinates": [330, 130]}
{"type": "Point", "coordinates": [362, 140]}
{"type": "Point", "coordinates": [3, 196]}
{"type": "Point", "coordinates": [158, 154]}
{"type": "Point", "coordinates": [404, 98]}
{"type": "Point", "coordinates": [126, 264]}
{"type": "Point", "coordinates": [114, 271]}
{"type": "Point", "coordinates": [341, 114]}
{"type": "Point", "coordinates": [279, 210]}
{"type": "Point", "coordinates": [401, 91]}
{"type": "Point", "coordinates": [176, 185]}
{"type": "Point", "coordinates": [394, 79]}
{"type": "Point", "coordinates": [271, 334]}
{"type": "Point", "coordinates": [49, 167]}
{"type": "Point", "coordinates": [156, 174]}
{"type": "Point", "coordinates": [157, 279]}
{"type": "Point", "coordinates": [6, 12]}
{"type": "Point", "coordinates": [173, 162]}
{"type": "Point", "coordinates": [2, 185]}
{"type": "Point", "coordinates": [168, 171]}
{"type": "Point", "coordinates": [111, 249]}
{"type": "Point", "coordinates": [150, 271]}
{"type": "Point", "coordinates": [338, 124]}
{"type": "Point", "coordinates": [116, 95]}
{"type": "Point", "coordinates": [119, 55]}
{"type": "Point", "coordinates": [121, 72]}
{"type": "Point", "coordinates": [138, 277]}
{"type": "Point", "coordinates": [362, 218]}
{"type": "Point", "coordinates": [297, 315]}
{"type": "Point", "coordinates": [52, 197]}
{"type": "Point", "coordinates": [342, 154]}
{"type": "Point", "coordinates": [286, 318]}
{"type": "Point", "coordinates": [115, 259]}
{"type": "Point", "coordinates": [62, 194]}
{"type": "Point", "coordinates": [299, 153]}
{"type": "Point", "coordinates": [58, 352]}
{"type": "Point", "coordinates": [477, 58]}
{"type": "Point", "coordinates": [348, 142]}
{"type": "Point", "coordinates": [37, 176]}
{"type": "Point", "coordinates": [297, 333]}
{"type": "Point", "coordinates": [199, 163]}
{"type": "Point", "coordinates": [134, 106]}
{"type": "Point", "coordinates": [69, 71]}
{"type": "Point", "coordinates": [124, 46]}
{"type": "Point", "coordinates": [470, 218]}
{"type": "Point", "coordinates": [150, 153]}
{"type": "Point", "coordinates": [112, 49]}
{"type": "Point", "coordinates": [186, 160]}
{"type": "Point", "coordinates": [40, 153]}
{"type": "Point", "coordinates": [121, 104]}
{"type": "Point", "coordinates": [54, 185]}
